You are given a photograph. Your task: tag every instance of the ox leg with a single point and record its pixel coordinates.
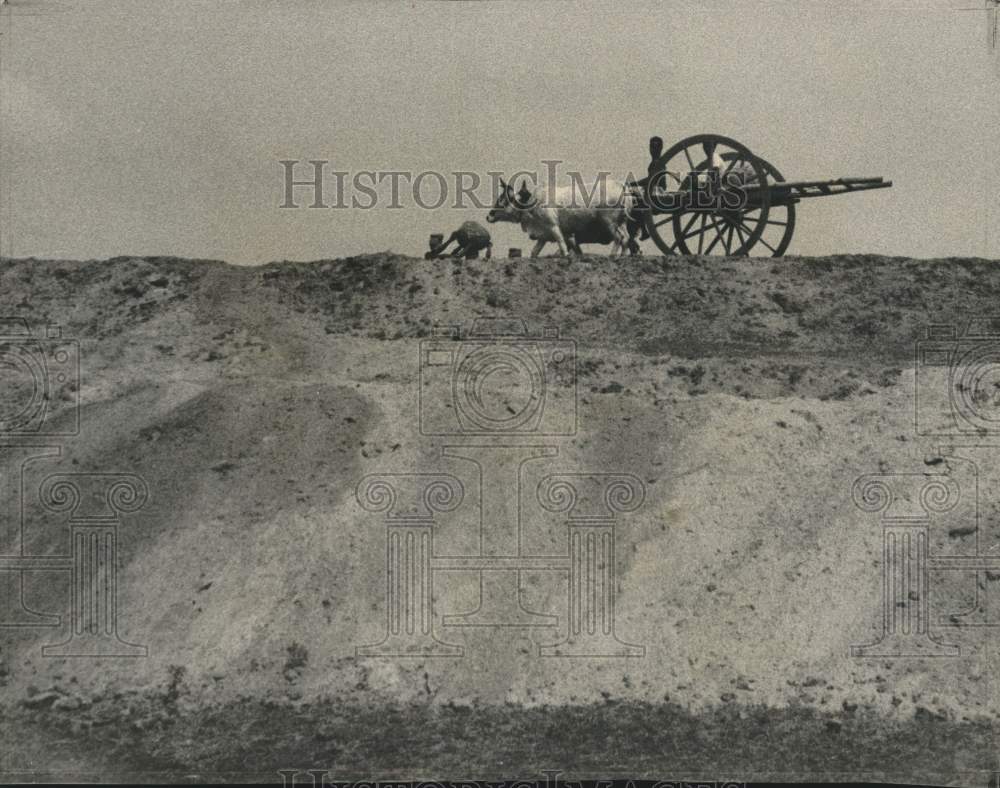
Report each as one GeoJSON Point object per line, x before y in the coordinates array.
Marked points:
{"type": "Point", "coordinates": [618, 236]}
{"type": "Point", "coordinates": [537, 248]}
{"type": "Point", "coordinates": [560, 241]}
{"type": "Point", "coordinates": [633, 244]}
{"type": "Point", "coordinates": [622, 241]}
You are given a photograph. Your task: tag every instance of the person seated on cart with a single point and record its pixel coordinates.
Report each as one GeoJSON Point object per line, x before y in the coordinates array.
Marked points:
{"type": "Point", "coordinates": [636, 223]}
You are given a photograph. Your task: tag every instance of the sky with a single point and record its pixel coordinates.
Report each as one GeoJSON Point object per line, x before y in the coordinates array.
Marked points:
{"type": "Point", "coordinates": [156, 128]}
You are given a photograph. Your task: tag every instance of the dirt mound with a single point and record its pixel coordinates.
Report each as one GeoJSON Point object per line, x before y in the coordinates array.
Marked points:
{"type": "Point", "coordinates": [745, 396]}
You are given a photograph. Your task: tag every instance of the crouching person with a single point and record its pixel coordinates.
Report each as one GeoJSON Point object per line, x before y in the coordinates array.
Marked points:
{"type": "Point", "coordinates": [471, 239]}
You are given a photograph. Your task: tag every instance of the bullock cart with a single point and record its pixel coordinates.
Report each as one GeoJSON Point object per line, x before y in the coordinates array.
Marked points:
{"type": "Point", "coordinates": [710, 195]}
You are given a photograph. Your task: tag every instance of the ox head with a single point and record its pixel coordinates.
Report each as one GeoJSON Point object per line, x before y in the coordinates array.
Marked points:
{"type": "Point", "coordinates": [511, 205]}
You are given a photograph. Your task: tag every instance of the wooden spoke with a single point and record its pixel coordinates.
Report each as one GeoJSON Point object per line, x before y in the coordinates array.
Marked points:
{"type": "Point", "coordinates": [761, 240]}
{"type": "Point", "coordinates": [718, 237]}
{"type": "Point", "coordinates": [700, 231]}
{"type": "Point", "coordinates": [749, 232]}
{"type": "Point", "coordinates": [717, 228]}
{"type": "Point", "coordinates": [739, 232]}
{"type": "Point", "coordinates": [683, 233]}
{"type": "Point", "coordinates": [781, 216]}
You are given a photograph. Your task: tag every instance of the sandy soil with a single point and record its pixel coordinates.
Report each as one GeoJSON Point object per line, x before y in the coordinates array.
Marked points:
{"type": "Point", "coordinates": [746, 395]}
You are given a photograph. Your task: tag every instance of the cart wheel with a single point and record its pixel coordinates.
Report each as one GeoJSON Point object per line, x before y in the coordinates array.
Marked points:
{"type": "Point", "coordinates": [780, 226]}
{"type": "Point", "coordinates": [731, 222]}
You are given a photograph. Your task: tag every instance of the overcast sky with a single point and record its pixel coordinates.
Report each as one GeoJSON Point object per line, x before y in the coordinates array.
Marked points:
{"type": "Point", "coordinates": [156, 127]}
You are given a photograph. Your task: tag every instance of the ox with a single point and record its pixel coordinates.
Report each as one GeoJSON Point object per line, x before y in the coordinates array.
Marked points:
{"type": "Point", "coordinates": [563, 220]}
